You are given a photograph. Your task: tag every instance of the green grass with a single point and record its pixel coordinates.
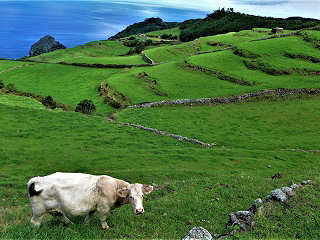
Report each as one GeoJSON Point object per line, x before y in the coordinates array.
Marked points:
{"type": "Point", "coordinates": [235, 171]}
{"type": "Point", "coordinates": [100, 52]}
{"type": "Point", "coordinates": [280, 46]}
{"type": "Point", "coordinates": [229, 39]}
{"type": "Point", "coordinates": [175, 53]}
{"type": "Point", "coordinates": [66, 84]}
{"type": "Point", "coordinates": [199, 186]}
{"type": "Point", "coordinates": [127, 60]}
{"type": "Point", "coordinates": [232, 65]}
{"type": "Point", "coordinates": [260, 125]}
{"type": "Point", "coordinates": [173, 31]}
{"type": "Point", "coordinates": [18, 101]}
{"type": "Point", "coordinates": [8, 65]}
{"type": "Point", "coordinates": [174, 80]}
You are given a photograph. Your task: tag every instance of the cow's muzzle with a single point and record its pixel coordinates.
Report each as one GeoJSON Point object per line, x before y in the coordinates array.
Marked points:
{"type": "Point", "coordinates": [139, 211]}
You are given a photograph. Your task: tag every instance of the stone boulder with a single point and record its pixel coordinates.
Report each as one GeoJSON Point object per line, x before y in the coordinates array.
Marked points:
{"type": "Point", "coordinates": [45, 45]}
{"type": "Point", "coordinates": [198, 233]}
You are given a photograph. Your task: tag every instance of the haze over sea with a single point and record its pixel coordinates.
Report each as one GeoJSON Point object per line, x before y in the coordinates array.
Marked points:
{"type": "Point", "coordinates": [73, 23]}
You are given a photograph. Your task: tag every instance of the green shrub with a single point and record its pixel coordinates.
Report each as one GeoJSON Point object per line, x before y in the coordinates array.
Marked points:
{"type": "Point", "coordinates": [1, 84]}
{"type": "Point", "coordinates": [11, 88]}
{"type": "Point", "coordinates": [49, 103]}
{"type": "Point", "coordinates": [86, 106]}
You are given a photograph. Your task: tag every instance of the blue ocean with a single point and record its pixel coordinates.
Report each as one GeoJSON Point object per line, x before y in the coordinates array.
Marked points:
{"type": "Point", "coordinates": [72, 23]}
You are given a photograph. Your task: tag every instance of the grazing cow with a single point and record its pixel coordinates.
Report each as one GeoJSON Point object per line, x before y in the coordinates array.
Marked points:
{"type": "Point", "coordinates": [75, 194]}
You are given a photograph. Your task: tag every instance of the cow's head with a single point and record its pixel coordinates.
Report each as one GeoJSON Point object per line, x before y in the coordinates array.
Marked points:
{"type": "Point", "coordinates": [135, 193]}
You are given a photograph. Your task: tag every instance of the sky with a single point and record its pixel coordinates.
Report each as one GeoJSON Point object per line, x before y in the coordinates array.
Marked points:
{"type": "Point", "coordinates": [275, 8]}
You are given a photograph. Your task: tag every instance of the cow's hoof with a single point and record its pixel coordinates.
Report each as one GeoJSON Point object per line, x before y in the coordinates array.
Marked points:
{"type": "Point", "coordinates": [105, 226]}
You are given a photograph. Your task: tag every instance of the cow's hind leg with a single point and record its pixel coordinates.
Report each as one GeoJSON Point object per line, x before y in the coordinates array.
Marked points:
{"type": "Point", "coordinates": [87, 219]}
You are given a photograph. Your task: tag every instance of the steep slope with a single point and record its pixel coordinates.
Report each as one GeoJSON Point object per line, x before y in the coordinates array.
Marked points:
{"type": "Point", "coordinates": [148, 25]}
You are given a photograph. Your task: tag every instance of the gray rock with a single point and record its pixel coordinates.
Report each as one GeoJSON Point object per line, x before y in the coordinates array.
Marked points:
{"type": "Point", "coordinates": [244, 219]}
{"type": "Point", "coordinates": [294, 186]}
{"type": "Point", "coordinates": [287, 190]}
{"type": "Point", "coordinates": [279, 195]}
{"type": "Point", "coordinates": [198, 233]}
{"type": "Point", "coordinates": [257, 202]}
{"type": "Point", "coordinates": [45, 45]}
{"type": "Point", "coordinates": [242, 213]}
{"type": "Point", "coordinates": [306, 182]}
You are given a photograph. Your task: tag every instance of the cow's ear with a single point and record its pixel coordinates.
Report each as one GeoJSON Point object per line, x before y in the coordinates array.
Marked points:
{"type": "Point", "coordinates": [123, 192]}
{"type": "Point", "coordinates": [146, 189]}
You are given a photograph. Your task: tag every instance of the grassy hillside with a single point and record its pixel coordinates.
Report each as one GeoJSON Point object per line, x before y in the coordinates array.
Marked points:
{"type": "Point", "coordinates": [100, 52]}
{"type": "Point", "coordinates": [192, 178]}
{"type": "Point", "coordinates": [226, 20]}
{"type": "Point", "coordinates": [148, 25]}
{"type": "Point", "coordinates": [18, 101]}
{"type": "Point", "coordinates": [197, 186]}
{"type": "Point", "coordinates": [66, 84]}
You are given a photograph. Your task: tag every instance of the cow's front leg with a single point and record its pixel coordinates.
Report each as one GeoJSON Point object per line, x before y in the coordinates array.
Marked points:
{"type": "Point", "coordinates": [104, 224]}
{"type": "Point", "coordinates": [104, 211]}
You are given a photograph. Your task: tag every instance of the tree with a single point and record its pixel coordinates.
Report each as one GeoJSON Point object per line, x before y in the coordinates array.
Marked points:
{"type": "Point", "coordinates": [49, 103]}
{"type": "Point", "coordinates": [86, 106]}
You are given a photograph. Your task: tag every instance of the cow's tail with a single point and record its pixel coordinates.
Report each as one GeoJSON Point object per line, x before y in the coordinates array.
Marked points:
{"type": "Point", "coordinates": [35, 186]}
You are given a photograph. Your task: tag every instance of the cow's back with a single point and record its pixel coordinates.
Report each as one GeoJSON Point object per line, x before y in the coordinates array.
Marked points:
{"type": "Point", "coordinates": [72, 193]}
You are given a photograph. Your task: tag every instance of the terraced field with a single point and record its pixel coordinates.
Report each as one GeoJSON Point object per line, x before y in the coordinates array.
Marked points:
{"type": "Point", "coordinates": [66, 84]}
{"type": "Point", "coordinates": [197, 186]}
{"type": "Point", "coordinates": [100, 52]}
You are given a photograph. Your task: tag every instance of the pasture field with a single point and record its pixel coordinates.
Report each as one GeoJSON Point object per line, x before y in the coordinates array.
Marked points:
{"type": "Point", "coordinates": [175, 53]}
{"type": "Point", "coordinates": [18, 101]}
{"type": "Point", "coordinates": [66, 84]}
{"type": "Point", "coordinates": [197, 186]}
{"type": "Point", "coordinates": [173, 31]}
{"type": "Point", "coordinates": [100, 52]}
{"type": "Point", "coordinates": [7, 65]}
{"type": "Point", "coordinates": [174, 81]}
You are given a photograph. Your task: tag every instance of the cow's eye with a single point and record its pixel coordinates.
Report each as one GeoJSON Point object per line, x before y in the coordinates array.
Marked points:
{"type": "Point", "coordinates": [131, 197]}
{"type": "Point", "coordinates": [142, 195]}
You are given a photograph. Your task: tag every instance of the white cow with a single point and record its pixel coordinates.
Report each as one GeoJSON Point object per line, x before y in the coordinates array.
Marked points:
{"type": "Point", "coordinates": [75, 194]}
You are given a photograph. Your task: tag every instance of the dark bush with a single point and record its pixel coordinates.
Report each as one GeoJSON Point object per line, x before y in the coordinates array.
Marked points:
{"type": "Point", "coordinates": [11, 88]}
{"type": "Point", "coordinates": [131, 43]}
{"type": "Point", "coordinates": [148, 42]}
{"type": "Point", "coordinates": [132, 38]}
{"type": "Point", "coordinates": [86, 106]}
{"type": "Point", "coordinates": [140, 47]}
{"type": "Point", "coordinates": [1, 84]}
{"type": "Point", "coordinates": [169, 37]}
{"type": "Point", "coordinates": [49, 103]}
{"type": "Point", "coordinates": [112, 102]}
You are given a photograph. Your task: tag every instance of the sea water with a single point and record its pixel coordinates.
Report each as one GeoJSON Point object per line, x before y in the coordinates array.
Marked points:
{"type": "Point", "coordinates": [72, 23]}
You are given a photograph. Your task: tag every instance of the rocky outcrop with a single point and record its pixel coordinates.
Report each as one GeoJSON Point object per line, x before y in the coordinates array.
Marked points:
{"type": "Point", "coordinates": [45, 45]}
{"type": "Point", "coordinates": [198, 233]}
{"type": "Point", "coordinates": [245, 220]}
{"type": "Point", "coordinates": [281, 92]}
